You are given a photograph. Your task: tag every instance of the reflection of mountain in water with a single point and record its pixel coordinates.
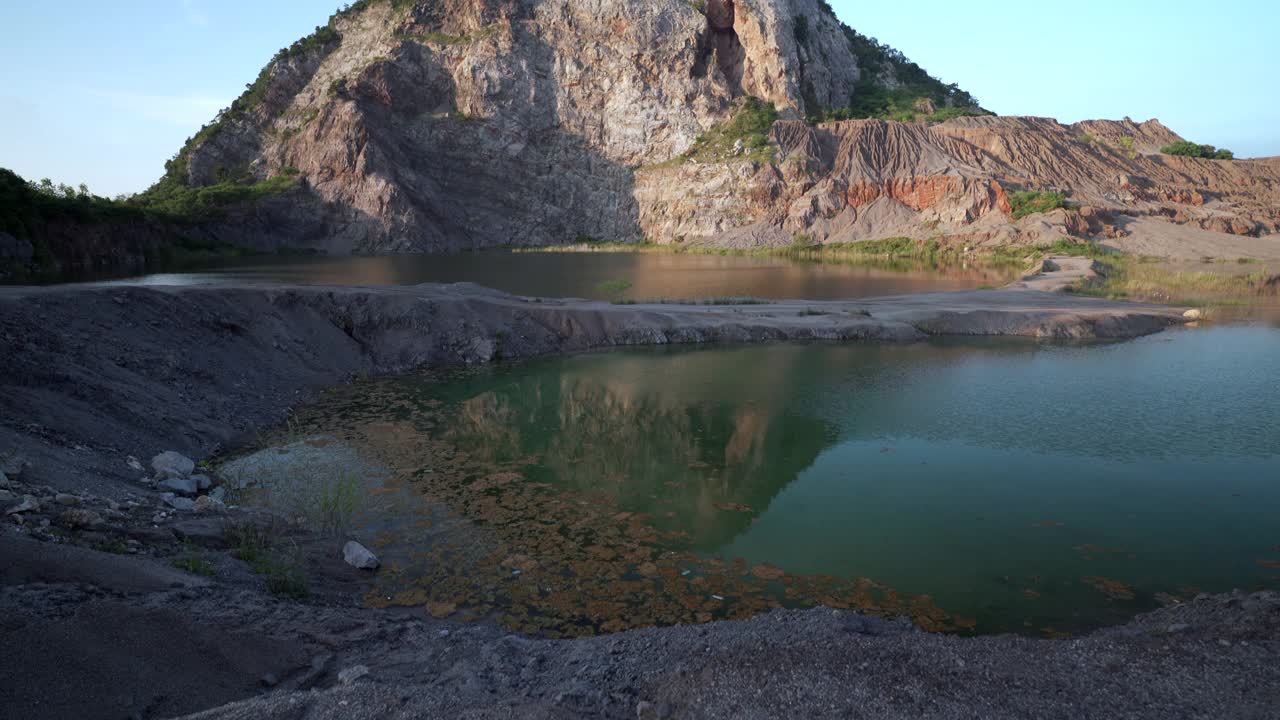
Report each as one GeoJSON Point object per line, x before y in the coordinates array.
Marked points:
{"type": "Point", "coordinates": [705, 440]}
{"type": "Point", "coordinates": [653, 433]}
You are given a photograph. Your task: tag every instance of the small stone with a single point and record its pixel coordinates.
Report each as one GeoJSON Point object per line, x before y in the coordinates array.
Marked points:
{"type": "Point", "coordinates": [203, 482]}
{"type": "Point", "coordinates": [4, 481]}
{"type": "Point", "coordinates": [644, 709]}
{"type": "Point", "coordinates": [1176, 628]}
{"type": "Point", "coordinates": [7, 497]}
{"type": "Point", "coordinates": [359, 556]}
{"type": "Point", "coordinates": [181, 485]}
{"type": "Point", "coordinates": [269, 680]}
{"type": "Point", "coordinates": [352, 674]}
{"type": "Point", "coordinates": [178, 503]}
{"type": "Point", "coordinates": [28, 503]}
{"type": "Point", "coordinates": [67, 500]}
{"type": "Point", "coordinates": [11, 466]}
{"type": "Point", "coordinates": [206, 504]}
{"type": "Point", "coordinates": [77, 518]}
{"type": "Point", "coordinates": [133, 464]}
{"type": "Point", "coordinates": [172, 463]}
{"type": "Point", "coordinates": [1193, 314]}
{"type": "Point", "coordinates": [219, 493]}
{"type": "Point", "coordinates": [664, 710]}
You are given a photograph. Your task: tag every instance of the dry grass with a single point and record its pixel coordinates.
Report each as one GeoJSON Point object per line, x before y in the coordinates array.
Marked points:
{"type": "Point", "coordinates": [1128, 278]}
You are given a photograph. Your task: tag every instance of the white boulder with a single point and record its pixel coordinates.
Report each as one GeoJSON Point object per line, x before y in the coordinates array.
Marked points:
{"type": "Point", "coordinates": [359, 556]}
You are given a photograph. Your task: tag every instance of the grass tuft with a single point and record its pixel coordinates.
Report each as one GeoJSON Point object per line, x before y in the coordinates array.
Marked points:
{"type": "Point", "coordinates": [1030, 202]}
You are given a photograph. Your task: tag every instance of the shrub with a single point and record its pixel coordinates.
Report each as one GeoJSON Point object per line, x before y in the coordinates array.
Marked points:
{"type": "Point", "coordinates": [872, 97]}
{"type": "Point", "coordinates": [1190, 149]}
{"type": "Point", "coordinates": [178, 201]}
{"type": "Point", "coordinates": [288, 581]}
{"type": "Point", "coordinates": [750, 124]}
{"type": "Point", "coordinates": [192, 560]}
{"type": "Point", "coordinates": [1030, 202]}
{"type": "Point", "coordinates": [250, 543]}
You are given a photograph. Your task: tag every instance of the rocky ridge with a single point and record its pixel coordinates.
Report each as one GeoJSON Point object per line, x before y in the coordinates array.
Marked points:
{"type": "Point", "coordinates": [473, 123]}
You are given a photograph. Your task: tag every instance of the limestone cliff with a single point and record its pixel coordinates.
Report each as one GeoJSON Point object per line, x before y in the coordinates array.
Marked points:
{"type": "Point", "coordinates": [452, 124]}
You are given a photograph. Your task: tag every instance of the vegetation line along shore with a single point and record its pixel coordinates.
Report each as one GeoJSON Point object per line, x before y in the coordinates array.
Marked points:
{"type": "Point", "coordinates": [1121, 276]}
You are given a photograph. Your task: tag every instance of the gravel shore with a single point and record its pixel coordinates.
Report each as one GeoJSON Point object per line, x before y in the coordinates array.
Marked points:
{"type": "Point", "coordinates": [98, 380]}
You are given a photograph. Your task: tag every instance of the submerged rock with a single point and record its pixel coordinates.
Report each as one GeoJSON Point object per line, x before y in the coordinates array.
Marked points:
{"type": "Point", "coordinates": [359, 556]}
{"type": "Point", "coordinates": [170, 464]}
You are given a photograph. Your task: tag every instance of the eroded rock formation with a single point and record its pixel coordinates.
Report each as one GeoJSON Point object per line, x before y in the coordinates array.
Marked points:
{"type": "Point", "coordinates": [455, 124]}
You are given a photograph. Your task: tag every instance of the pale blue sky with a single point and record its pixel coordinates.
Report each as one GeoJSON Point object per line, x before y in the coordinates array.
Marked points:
{"type": "Point", "coordinates": [105, 92]}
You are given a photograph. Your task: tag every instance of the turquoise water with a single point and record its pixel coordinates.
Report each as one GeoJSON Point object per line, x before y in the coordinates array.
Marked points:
{"type": "Point", "coordinates": [970, 471]}
{"type": "Point", "coordinates": [1025, 486]}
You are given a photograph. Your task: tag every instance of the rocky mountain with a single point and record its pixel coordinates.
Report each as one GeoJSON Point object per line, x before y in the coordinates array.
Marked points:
{"type": "Point", "coordinates": [450, 124]}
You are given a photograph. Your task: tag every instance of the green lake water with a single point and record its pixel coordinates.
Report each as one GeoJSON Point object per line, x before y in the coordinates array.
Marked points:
{"type": "Point", "coordinates": [1029, 486]}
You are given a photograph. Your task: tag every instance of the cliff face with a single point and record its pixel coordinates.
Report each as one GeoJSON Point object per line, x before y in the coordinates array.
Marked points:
{"type": "Point", "coordinates": [451, 124]}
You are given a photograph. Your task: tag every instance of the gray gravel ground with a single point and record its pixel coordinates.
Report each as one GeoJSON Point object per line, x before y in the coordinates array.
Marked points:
{"type": "Point", "coordinates": [131, 648]}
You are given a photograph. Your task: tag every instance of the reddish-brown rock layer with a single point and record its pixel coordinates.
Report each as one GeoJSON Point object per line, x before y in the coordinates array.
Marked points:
{"type": "Point", "coordinates": [871, 179]}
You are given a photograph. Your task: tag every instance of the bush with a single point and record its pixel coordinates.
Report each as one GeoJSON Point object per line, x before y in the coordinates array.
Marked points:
{"type": "Point", "coordinates": [192, 560]}
{"type": "Point", "coordinates": [872, 98]}
{"type": "Point", "coordinates": [1030, 202]}
{"type": "Point", "coordinates": [24, 206]}
{"type": "Point", "coordinates": [1190, 149]}
{"type": "Point", "coordinates": [178, 201]}
{"type": "Point", "coordinates": [750, 124]}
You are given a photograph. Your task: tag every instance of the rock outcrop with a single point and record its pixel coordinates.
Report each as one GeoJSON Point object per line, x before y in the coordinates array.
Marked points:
{"type": "Point", "coordinates": [455, 124]}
